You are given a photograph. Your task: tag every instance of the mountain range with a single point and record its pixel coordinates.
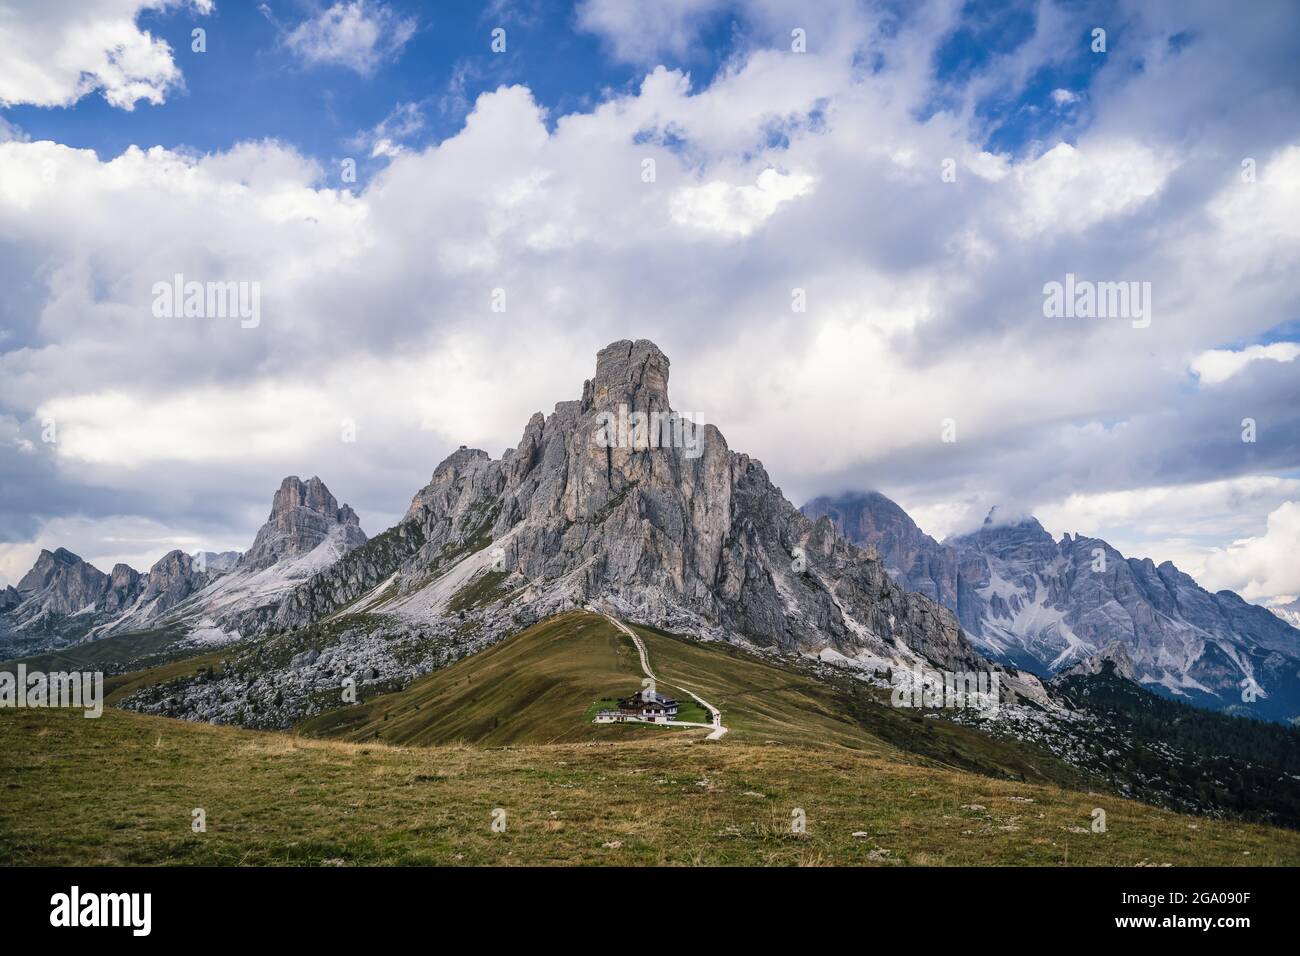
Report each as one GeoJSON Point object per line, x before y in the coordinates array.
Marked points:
{"type": "Point", "coordinates": [1043, 605]}
{"type": "Point", "coordinates": [658, 521]}
{"type": "Point", "coordinates": [64, 599]}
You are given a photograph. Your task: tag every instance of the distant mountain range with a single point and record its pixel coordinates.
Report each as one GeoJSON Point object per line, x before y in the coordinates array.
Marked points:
{"type": "Point", "coordinates": [1288, 611]}
{"type": "Point", "coordinates": [1044, 605]}
{"type": "Point", "coordinates": [64, 599]}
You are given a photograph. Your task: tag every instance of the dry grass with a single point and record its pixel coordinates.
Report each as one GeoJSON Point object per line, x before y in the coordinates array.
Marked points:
{"type": "Point", "coordinates": [120, 790]}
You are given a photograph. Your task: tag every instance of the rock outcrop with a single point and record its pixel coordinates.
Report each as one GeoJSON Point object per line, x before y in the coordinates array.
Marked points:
{"type": "Point", "coordinates": [170, 581]}
{"type": "Point", "coordinates": [124, 585]}
{"type": "Point", "coordinates": [1116, 655]}
{"type": "Point", "coordinates": [303, 514]}
{"type": "Point", "coordinates": [616, 499]}
{"type": "Point", "coordinates": [216, 562]}
{"type": "Point", "coordinates": [915, 560]}
{"type": "Point", "coordinates": [1288, 611]}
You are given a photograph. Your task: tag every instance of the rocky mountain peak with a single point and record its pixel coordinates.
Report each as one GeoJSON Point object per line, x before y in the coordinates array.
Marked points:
{"type": "Point", "coordinates": [172, 578]}
{"type": "Point", "coordinates": [63, 583]}
{"type": "Point", "coordinates": [1288, 612]}
{"type": "Point", "coordinates": [870, 517]}
{"type": "Point", "coordinates": [1044, 606]}
{"type": "Point", "coordinates": [124, 585]}
{"type": "Point", "coordinates": [912, 557]}
{"type": "Point", "coordinates": [303, 514]}
{"type": "Point", "coordinates": [310, 494]}
{"type": "Point", "coordinates": [630, 373]}
{"type": "Point", "coordinates": [123, 575]}
{"type": "Point", "coordinates": [1009, 538]}
{"type": "Point", "coordinates": [671, 528]}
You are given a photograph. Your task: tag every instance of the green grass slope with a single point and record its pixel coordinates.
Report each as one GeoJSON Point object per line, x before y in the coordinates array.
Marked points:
{"type": "Point", "coordinates": [535, 687]}
{"type": "Point", "coordinates": [122, 790]}
{"type": "Point", "coordinates": [539, 687]}
{"type": "Point", "coordinates": [766, 701]}
{"type": "Point", "coordinates": [132, 650]}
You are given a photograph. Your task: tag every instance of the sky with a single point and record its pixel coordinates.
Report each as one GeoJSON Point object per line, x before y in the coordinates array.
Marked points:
{"type": "Point", "coordinates": [841, 221]}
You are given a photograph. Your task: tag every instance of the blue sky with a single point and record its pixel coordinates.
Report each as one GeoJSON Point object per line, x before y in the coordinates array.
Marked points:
{"type": "Point", "coordinates": [249, 84]}
{"type": "Point", "coordinates": [776, 170]}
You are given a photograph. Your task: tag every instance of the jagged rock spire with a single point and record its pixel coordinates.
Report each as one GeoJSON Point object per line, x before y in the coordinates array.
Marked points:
{"type": "Point", "coordinates": [302, 515]}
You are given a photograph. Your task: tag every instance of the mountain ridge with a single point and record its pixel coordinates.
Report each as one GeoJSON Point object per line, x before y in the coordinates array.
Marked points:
{"type": "Point", "coordinates": [1034, 602]}
{"type": "Point", "coordinates": [673, 527]}
{"type": "Point", "coordinates": [64, 599]}
{"type": "Point", "coordinates": [613, 499]}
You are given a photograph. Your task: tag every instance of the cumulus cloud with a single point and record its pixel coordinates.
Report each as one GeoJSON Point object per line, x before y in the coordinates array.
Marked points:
{"type": "Point", "coordinates": [1188, 524]}
{"type": "Point", "coordinates": [1068, 188]}
{"type": "Point", "coordinates": [738, 210]}
{"type": "Point", "coordinates": [53, 54]}
{"type": "Point", "coordinates": [357, 34]}
{"type": "Point", "coordinates": [1263, 566]}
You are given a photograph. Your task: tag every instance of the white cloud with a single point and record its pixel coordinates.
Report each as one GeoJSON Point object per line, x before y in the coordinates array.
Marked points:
{"type": "Point", "coordinates": [9, 131]}
{"type": "Point", "coordinates": [1259, 222]}
{"type": "Point", "coordinates": [1226, 508]}
{"type": "Point", "coordinates": [357, 34]}
{"type": "Point", "coordinates": [738, 210]}
{"type": "Point", "coordinates": [53, 54]}
{"type": "Point", "coordinates": [638, 31]}
{"type": "Point", "coordinates": [1064, 97]}
{"type": "Point", "coordinates": [1260, 567]}
{"type": "Point", "coordinates": [1075, 187]}
{"type": "Point", "coordinates": [1218, 365]}
{"type": "Point", "coordinates": [386, 138]}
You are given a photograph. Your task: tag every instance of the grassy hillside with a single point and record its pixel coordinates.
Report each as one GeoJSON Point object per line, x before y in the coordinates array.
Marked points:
{"type": "Point", "coordinates": [539, 687]}
{"type": "Point", "coordinates": [535, 687]}
{"type": "Point", "coordinates": [876, 785]}
{"type": "Point", "coordinates": [1249, 768]}
{"type": "Point", "coordinates": [121, 790]}
{"type": "Point", "coordinates": [137, 649]}
{"type": "Point", "coordinates": [120, 686]}
{"type": "Point", "coordinates": [764, 701]}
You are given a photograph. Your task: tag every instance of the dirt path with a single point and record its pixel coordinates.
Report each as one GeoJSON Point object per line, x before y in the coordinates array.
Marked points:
{"type": "Point", "coordinates": [716, 725]}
